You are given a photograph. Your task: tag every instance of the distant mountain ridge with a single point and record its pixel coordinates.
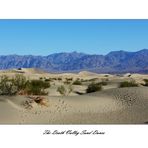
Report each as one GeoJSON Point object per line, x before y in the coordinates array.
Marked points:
{"type": "Point", "coordinates": [113, 62]}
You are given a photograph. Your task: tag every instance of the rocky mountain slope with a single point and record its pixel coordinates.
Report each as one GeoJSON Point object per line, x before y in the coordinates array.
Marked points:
{"type": "Point", "coordinates": [114, 62]}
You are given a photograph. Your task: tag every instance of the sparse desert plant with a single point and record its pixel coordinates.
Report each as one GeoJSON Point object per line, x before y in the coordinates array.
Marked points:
{"type": "Point", "coordinates": [7, 87]}
{"type": "Point", "coordinates": [146, 82]}
{"type": "Point", "coordinates": [93, 79]}
{"type": "Point", "coordinates": [65, 91]}
{"type": "Point", "coordinates": [77, 82]}
{"type": "Point", "coordinates": [61, 89]}
{"type": "Point", "coordinates": [19, 81]}
{"type": "Point", "coordinates": [67, 82]}
{"type": "Point", "coordinates": [106, 75]}
{"type": "Point", "coordinates": [47, 80]}
{"type": "Point", "coordinates": [102, 83]}
{"type": "Point", "coordinates": [19, 85]}
{"type": "Point", "coordinates": [19, 69]}
{"type": "Point", "coordinates": [59, 79]}
{"type": "Point", "coordinates": [54, 78]}
{"type": "Point", "coordinates": [128, 84]}
{"type": "Point", "coordinates": [40, 100]}
{"type": "Point", "coordinates": [69, 79]}
{"type": "Point", "coordinates": [36, 87]}
{"type": "Point", "coordinates": [93, 87]}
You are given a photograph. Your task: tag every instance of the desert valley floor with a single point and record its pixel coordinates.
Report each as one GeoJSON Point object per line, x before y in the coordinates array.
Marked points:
{"type": "Point", "coordinates": [111, 105]}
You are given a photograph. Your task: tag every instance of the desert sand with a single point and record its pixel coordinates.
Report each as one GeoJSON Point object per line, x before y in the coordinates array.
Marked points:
{"type": "Point", "coordinates": [112, 105]}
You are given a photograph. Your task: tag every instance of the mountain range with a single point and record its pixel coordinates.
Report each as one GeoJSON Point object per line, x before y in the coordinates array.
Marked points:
{"type": "Point", "coordinates": [113, 62]}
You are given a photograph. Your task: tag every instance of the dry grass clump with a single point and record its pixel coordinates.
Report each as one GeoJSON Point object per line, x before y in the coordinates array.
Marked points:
{"type": "Point", "coordinates": [77, 82]}
{"type": "Point", "coordinates": [38, 100]}
{"type": "Point", "coordinates": [102, 83]}
{"type": "Point", "coordinates": [93, 87]}
{"type": "Point", "coordinates": [128, 84]}
{"type": "Point", "coordinates": [7, 86]}
{"type": "Point", "coordinates": [146, 82]}
{"type": "Point", "coordinates": [65, 91]}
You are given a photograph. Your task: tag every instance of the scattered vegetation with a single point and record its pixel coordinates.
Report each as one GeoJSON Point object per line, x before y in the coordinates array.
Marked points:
{"type": "Point", "coordinates": [77, 82]}
{"type": "Point", "coordinates": [37, 87]}
{"type": "Point", "coordinates": [93, 79]}
{"type": "Point", "coordinates": [19, 81]}
{"type": "Point", "coordinates": [7, 86]}
{"type": "Point", "coordinates": [93, 87]}
{"type": "Point", "coordinates": [59, 79]}
{"type": "Point", "coordinates": [29, 103]}
{"type": "Point", "coordinates": [19, 69]}
{"type": "Point", "coordinates": [19, 85]}
{"type": "Point", "coordinates": [67, 82]}
{"type": "Point", "coordinates": [146, 82]}
{"type": "Point", "coordinates": [69, 79]}
{"type": "Point", "coordinates": [128, 84]}
{"type": "Point", "coordinates": [106, 75]}
{"type": "Point", "coordinates": [47, 80]}
{"type": "Point", "coordinates": [65, 91]}
{"type": "Point", "coordinates": [102, 83]}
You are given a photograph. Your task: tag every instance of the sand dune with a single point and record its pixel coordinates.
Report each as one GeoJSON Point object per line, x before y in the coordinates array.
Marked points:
{"type": "Point", "coordinates": [111, 105]}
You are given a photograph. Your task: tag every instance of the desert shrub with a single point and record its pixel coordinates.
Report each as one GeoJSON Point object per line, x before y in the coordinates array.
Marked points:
{"type": "Point", "coordinates": [102, 83]}
{"type": "Point", "coordinates": [69, 79]}
{"type": "Point", "coordinates": [54, 78]}
{"type": "Point", "coordinates": [146, 82]}
{"type": "Point", "coordinates": [65, 91]}
{"type": "Point", "coordinates": [61, 89]}
{"type": "Point", "coordinates": [19, 81]}
{"type": "Point", "coordinates": [20, 84]}
{"type": "Point", "coordinates": [128, 84]}
{"type": "Point", "coordinates": [93, 79]}
{"type": "Point", "coordinates": [7, 87]}
{"type": "Point", "coordinates": [106, 75]}
{"type": "Point", "coordinates": [59, 79]}
{"type": "Point", "coordinates": [36, 87]}
{"type": "Point", "coordinates": [93, 87]}
{"type": "Point", "coordinates": [47, 80]}
{"type": "Point", "coordinates": [67, 82]}
{"type": "Point", "coordinates": [77, 82]}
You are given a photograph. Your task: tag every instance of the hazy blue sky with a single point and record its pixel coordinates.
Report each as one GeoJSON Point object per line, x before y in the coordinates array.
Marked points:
{"type": "Point", "coordinates": [43, 37]}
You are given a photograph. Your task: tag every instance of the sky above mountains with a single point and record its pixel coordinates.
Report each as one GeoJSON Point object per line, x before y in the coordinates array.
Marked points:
{"type": "Point", "coordinates": [44, 37]}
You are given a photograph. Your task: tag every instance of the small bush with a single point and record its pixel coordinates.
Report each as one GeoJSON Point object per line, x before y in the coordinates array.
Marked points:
{"type": "Point", "coordinates": [47, 80]}
{"type": "Point", "coordinates": [19, 81]}
{"type": "Point", "coordinates": [67, 82]}
{"type": "Point", "coordinates": [93, 87]}
{"type": "Point", "coordinates": [19, 85]}
{"type": "Point", "coordinates": [93, 79]}
{"type": "Point", "coordinates": [77, 82]}
{"type": "Point", "coordinates": [146, 82]}
{"type": "Point", "coordinates": [128, 84]}
{"type": "Point", "coordinates": [102, 83]}
{"type": "Point", "coordinates": [65, 91]}
{"type": "Point", "coordinates": [106, 76]}
{"type": "Point", "coordinates": [59, 79]}
{"type": "Point", "coordinates": [7, 87]}
{"type": "Point", "coordinates": [69, 79]}
{"type": "Point", "coordinates": [37, 87]}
